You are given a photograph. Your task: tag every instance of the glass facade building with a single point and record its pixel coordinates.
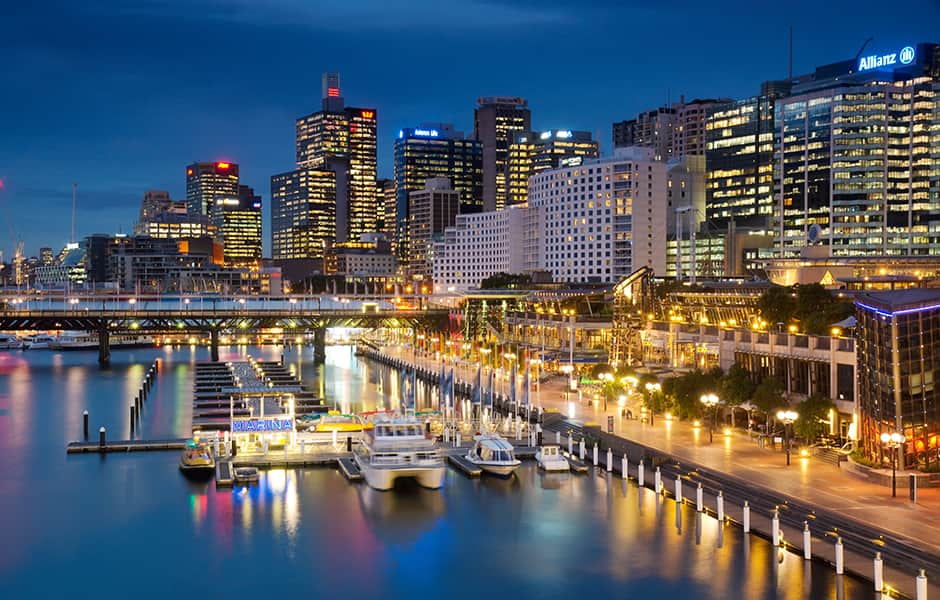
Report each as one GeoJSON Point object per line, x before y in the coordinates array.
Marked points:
{"type": "Point", "coordinates": [898, 335]}
{"type": "Point", "coordinates": [535, 151]}
{"type": "Point", "coordinates": [303, 213]}
{"type": "Point", "coordinates": [497, 121]}
{"type": "Point", "coordinates": [207, 181]}
{"type": "Point", "coordinates": [236, 223]}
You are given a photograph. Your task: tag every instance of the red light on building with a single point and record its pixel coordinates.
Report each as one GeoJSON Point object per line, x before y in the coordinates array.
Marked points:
{"type": "Point", "coordinates": [332, 92]}
{"type": "Point", "coordinates": [368, 114]}
{"type": "Point", "coordinates": [189, 171]}
{"type": "Point", "coordinates": [222, 165]}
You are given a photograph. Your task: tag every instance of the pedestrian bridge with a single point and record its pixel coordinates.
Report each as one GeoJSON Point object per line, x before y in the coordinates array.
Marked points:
{"type": "Point", "coordinates": [212, 315]}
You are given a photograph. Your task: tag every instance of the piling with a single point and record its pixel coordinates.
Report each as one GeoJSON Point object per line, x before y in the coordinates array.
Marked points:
{"type": "Point", "coordinates": [775, 529]}
{"type": "Point", "coordinates": [678, 489]}
{"type": "Point", "coordinates": [85, 424]}
{"type": "Point", "coordinates": [623, 466]}
{"type": "Point", "coordinates": [581, 449]}
{"type": "Point", "coordinates": [558, 438]}
{"type": "Point", "coordinates": [640, 475]}
{"type": "Point", "coordinates": [570, 445]}
{"type": "Point", "coordinates": [101, 438]}
{"type": "Point", "coordinates": [699, 500]}
{"type": "Point", "coordinates": [348, 443]}
{"type": "Point", "coordinates": [720, 507]}
{"type": "Point", "coordinates": [595, 454]}
{"type": "Point", "coordinates": [840, 559]}
{"type": "Point", "coordinates": [746, 518]}
{"type": "Point", "coordinates": [922, 586]}
{"type": "Point", "coordinates": [879, 578]}
{"type": "Point", "coordinates": [456, 441]}
{"type": "Point", "coordinates": [133, 417]}
{"type": "Point", "coordinates": [807, 542]}
{"type": "Point", "coordinates": [264, 446]}
{"type": "Point", "coordinates": [657, 480]}
{"type": "Point", "coordinates": [610, 460]}
{"type": "Point", "coordinates": [303, 446]}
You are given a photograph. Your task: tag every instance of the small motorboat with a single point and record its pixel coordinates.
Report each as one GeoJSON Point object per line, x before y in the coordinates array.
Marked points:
{"type": "Point", "coordinates": [8, 341]}
{"type": "Point", "coordinates": [197, 459]}
{"type": "Point", "coordinates": [551, 459]}
{"type": "Point", "coordinates": [494, 454]}
{"type": "Point", "coordinates": [246, 474]}
{"type": "Point", "coordinates": [38, 341]}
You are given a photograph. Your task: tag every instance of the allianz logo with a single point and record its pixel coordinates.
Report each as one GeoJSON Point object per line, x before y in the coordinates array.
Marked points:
{"type": "Point", "coordinates": [905, 57]}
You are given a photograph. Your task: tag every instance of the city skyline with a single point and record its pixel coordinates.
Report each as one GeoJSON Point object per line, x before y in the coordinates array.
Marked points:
{"type": "Point", "coordinates": [130, 119]}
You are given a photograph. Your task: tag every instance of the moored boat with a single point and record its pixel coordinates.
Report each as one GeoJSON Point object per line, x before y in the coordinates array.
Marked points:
{"type": "Point", "coordinates": [551, 459]}
{"type": "Point", "coordinates": [397, 447]}
{"type": "Point", "coordinates": [8, 341]}
{"type": "Point", "coordinates": [83, 340]}
{"type": "Point", "coordinates": [197, 459]}
{"type": "Point", "coordinates": [246, 474]}
{"type": "Point", "coordinates": [494, 454]}
{"type": "Point", "coordinates": [38, 341]}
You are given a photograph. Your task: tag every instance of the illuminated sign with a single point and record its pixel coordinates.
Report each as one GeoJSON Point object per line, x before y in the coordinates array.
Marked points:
{"type": "Point", "coordinates": [545, 135]}
{"type": "Point", "coordinates": [573, 161]}
{"type": "Point", "coordinates": [368, 114]}
{"type": "Point", "coordinates": [256, 205]}
{"type": "Point", "coordinates": [564, 135]}
{"type": "Point", "coordinates": [426, 132]}
{"type": "Point", "coordinates": [261, 425]}
{"type": "Point", "coordinates": [875, 61]}
{"type": "Point", "coordinates": [230, 201]}
{"type": "Point", "coordinates": [222, 165]}
{"type": "Point", "coordinates": [332, 92]}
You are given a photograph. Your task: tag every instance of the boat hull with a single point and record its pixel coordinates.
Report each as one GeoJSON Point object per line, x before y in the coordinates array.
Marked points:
{"type": "Point", "coordinates": [499, 469]}
{"type": "Point", "coordinates": [197, 471]}
{"type": "Point", "coordinates": [555, 466]}
{"type": "Point", "coordinates": [384, 478]}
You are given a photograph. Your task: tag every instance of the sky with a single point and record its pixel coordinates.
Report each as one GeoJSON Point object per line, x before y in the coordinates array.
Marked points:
{"type": "Point", "coordinates": [119, 96]}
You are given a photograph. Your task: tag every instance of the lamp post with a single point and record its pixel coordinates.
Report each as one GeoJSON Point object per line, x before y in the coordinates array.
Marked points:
{"type": "Point", "coordinates": [608, 377]}
{"type": "Point", "coordinates": [710, 401]}
{"type": "Point", "coordinates": [787, 417]}
{"type": "Point", "coordinates": [567, 369]}
{"type": "Point", "coordinates": [652, 388]}
{"type": "Point", "coordinates": [893, 440]}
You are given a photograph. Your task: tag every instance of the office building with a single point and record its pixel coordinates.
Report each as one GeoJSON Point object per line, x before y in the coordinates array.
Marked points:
{"type": "Point", "coordinates": [46, 257]}
{"type": "Point", "coordinates": [368, 259]}
{"type": "Point", "coordinates": [385, 193]}
{"type": "Point", "coordinates": [303, 213]}
{"type": "Point", "coordinates": [671, 131]}
{"type": "Point", "coordinates": [898, 337]}
{"type": "Point", "coordinates": [207, 181]}
{"type": "Point", "coordinates": [602, 220]}
{"type": "Point", "coordinates": [236, 224]}
{"type": "Point", "coordinates": [533, 151]}
{"type": "Point", "coordinates": [480, 245]}
{"type": "Point", "coordinates": [496, 122]}
{"type": "Point", "coordinates": [430, 212]}
{"type": "Point", "coordinates": [342, 139]}
{"type": "Point", "coordinates": [435, 150]}
{"type": "Point", "coordinates": [161, 217]}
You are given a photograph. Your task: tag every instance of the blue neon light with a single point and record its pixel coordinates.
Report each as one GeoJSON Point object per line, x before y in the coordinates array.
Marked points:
{"type": "Point", "coordinates": [904, 311]}
{"type": "Point", "coordinates": [426, 132]}
{"type": "Point", "coordinates": [882, 61]}
{"type": "Point", "coordinates": [266, 424]}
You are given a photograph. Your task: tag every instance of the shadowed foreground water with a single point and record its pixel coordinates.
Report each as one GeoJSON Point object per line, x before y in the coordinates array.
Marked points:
{"type": "Point", "coordinates": [130, 525]}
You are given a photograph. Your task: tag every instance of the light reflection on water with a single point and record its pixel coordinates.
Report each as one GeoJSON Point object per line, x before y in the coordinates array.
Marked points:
{"type": "Point", "coordinates": [108, 526]}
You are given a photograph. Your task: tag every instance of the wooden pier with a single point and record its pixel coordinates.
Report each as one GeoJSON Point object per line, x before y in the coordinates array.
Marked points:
{"type": "Point", "coordinates": [125, 446]}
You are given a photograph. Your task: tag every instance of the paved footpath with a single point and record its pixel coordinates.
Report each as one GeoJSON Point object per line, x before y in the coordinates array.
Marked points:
{"type": "Point", "coordinates": [807, 479]}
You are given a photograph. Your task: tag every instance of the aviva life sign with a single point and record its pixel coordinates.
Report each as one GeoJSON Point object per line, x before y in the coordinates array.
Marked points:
{"type": "Point", "coordinates": [904, 56]}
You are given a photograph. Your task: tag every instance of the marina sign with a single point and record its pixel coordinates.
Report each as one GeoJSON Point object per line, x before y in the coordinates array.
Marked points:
{"type": "Point", "coordinates": [261, 425]}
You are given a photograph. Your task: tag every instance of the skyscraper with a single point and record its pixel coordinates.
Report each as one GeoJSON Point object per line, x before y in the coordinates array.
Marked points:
{"type": "Point", "coordinates": [236, 222]}
{"type": "Point", "coordinates": [533, 151]}
{"type": "Point", "coordinates": [496, 121]}
{"type": "Point", "coordinates": [207, 181]}
{"type": "Point", "coordinates": [435, 150]}
{"type": "Point", "coordinates": [303, 213]}
{"type": "Point", "coordinates": [430, 211]}
{"type": "Point", "coordinates": [672, 131]}
{"type": "Point", "coordinates": [342, 139]}
{"type": "Point", "coordinates": [385, 193]}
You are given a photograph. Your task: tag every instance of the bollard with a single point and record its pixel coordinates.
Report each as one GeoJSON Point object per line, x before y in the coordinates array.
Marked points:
{"type": "Point", "coordinates": [657, 480]}
{"type": "Point", "coordinates": [570, 446]}
{"type": "Point", "coordinates": [101, 438]}
{"type": "Point", "coordinates": [807, 542]}
{"type": "Point", "coordinates": [264, 446]}
{"type": "Point", "coordinates": [581, 449]}
{"type": "Point", "coordinates": [334, 437]}
{"type": "Point", "coordinates": [840, 559]}
{"type": "Point", "coordinates": [746, 518]}
{"type": "Point", "coordinates": [457, 440]}
{"type": "Point", "coordinates": [348, 443]}
{"type": "Point", "coordinates": [595, 454]}
{"type": "Point", "coordinates": [303, 446]}
{"type": "Point", "coordinates": [624, 466]}
{"type": "Point", "coordinates": [610, 460]}
{"type": "Point", "coordinates": [216, 446]}
{"type": "Point", "coordinates": [775, 528]}
{"type": "Point", "coordinates": [879, 573]}
{"type": "Point", "coordinates": [720, 507]}
{"type": "Point", "coordinates": [446, 435]}
{"type": "Point", "coordinates": [922, 586]}
{"type": "Point", "coordinates": [912, 487]}
{"type": "Point", "coordinates": [85, 424]}
{"type": "Point", "coordinates": [225, 442]}
{"type": "Point", "coordinates": [558, 438]}
{"type": "Point", "coordinates": [699, 500]}
{"type": "Point", "coordinates": [640, 475]}
{"type": "Point", "coordinates": [133, 417]}
{"type": "Point", "coordinates": [678, 489]}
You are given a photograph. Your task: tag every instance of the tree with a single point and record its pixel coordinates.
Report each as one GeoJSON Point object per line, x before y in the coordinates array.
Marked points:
{"type": "Point", "coordinates": [686, 391]}
{"type": "Point", "coordinates": [505, 280]}
{"type": "Point", "coordinates": [813, 421]}
{"type": "Point", "coordinates": [768, 397]}
{"type": "Point", "coordinates": [736, 388]}
{"type": "Point", "coordinates": [777, 304]}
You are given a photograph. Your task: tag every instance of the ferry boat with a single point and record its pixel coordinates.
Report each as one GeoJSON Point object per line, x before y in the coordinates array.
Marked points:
{"type": "Point", "coordinates": [37, 341]}
{"type": "Point", "coordinates": [197, 459]}
{"type": "Point", "coordinates": [551, 459]}
{"type": "Point", "coordinates": [8, 341]}
{"type": "Point", "coordinates": [493, 454]}
{"type": "Point", "coordinates": [398, 447]}
{"type": "Point", "coordinates": [334, 421]}
{"type": "Point", "coordinates": [83, 340]}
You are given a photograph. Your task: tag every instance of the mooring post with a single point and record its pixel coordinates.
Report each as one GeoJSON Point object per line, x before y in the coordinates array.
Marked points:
{"type": "Point", "coordinates": [624, 465]}
{"type": "Point", "coordinates": [85, 424]}
{"type": "Point", "coordinates": [807, 542]}
{"type": "Point", "coordinates": [699, 498]}
{"type": "Point", "coordinates": [104, 345]}
{"type": "Point", "coordinates": [640, 474]}
{"type": "Point", "coordinates": [720, 507]}
{"type": "Point", "coordinates": [133, 417]}
{"type": "Point", "coordinates": [840, 559]}
{"type": "Point", "coordinates": [101, 438]}
{"type": "Point", "coordinates": [214, 345]}
{"type": "Point", "coordinates": [879, 578]}
{"type": "Point", "coordinates": [595, 454]}
{"type": "Point", "coordinates": [581, 448]}
{"type": "Point", "coordinates": [678, 489]}
{"type": "Point", "coordinates": [922, 586]}
{"type": "Point", "coordinates": [610, 460]}
{"type": "Point", "coordinates": [558, 438]}
{"type": "Point", "coordinates": [657, 480]}
{"type": "Point", "coordinates": [746, 518]}
{"type": "Point", "coordinates": [775, 528]}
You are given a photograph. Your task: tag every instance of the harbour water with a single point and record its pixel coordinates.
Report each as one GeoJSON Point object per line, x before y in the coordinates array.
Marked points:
{"type": "Point", "coordinates": [123, 525]}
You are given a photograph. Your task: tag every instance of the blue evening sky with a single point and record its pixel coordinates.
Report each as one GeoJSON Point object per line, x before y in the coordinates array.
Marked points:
{"type": "Point", "coordinates": [121, 95]}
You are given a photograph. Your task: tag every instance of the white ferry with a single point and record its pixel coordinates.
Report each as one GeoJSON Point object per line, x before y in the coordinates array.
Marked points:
{"type": "Point", "coordinates": [494, 454]}
{"type": "Point", "coordinates": [37, 341]}
{"type": "Point", "coordinates": [398, 447]}
{"type": "Point", "coordinates": [8, 341]}
{"type": "Point", "coordinates": [83, 340]}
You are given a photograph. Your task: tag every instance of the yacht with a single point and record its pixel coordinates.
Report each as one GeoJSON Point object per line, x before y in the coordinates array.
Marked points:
{"type": "Point", "coordinates": [8, 341]}
{"type": "Point", "coordinates": [197, 459]}
{"type": "Point", "coordinates": [84, 340]}
{"type": "Point", "coordinates": [551, 459]}
{"type": "Point", "coordinates": [38, 341]}
{"type": "Point", "coordinates": [494, 454]}
{"type": "Point", "coordinates": [398, 447]}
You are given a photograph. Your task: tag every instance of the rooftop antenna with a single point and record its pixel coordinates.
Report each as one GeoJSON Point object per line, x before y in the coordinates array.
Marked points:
{"type": "Point", "coordinates": [74, 190]}
{"type": "Point", "coordinates": [862, 49]}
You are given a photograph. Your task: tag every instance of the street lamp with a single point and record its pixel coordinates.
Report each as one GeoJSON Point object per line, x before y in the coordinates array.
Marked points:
{"type": "Point", "coordinates": [567, 369]}
{"type": "Point", "coordinates": [650, 389]}
{"type": "Point", "coordinates": [787, 417]}
{"type": "Point", "coordinates": [711, 402]}
{"type": "Point", "coordinates": [608, 377]}
{"type": "Point", "coordinates": [893, 440]}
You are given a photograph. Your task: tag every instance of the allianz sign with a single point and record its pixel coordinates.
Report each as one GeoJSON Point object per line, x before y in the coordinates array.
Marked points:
{"type": "Point", "coordinates": [904, 57]}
